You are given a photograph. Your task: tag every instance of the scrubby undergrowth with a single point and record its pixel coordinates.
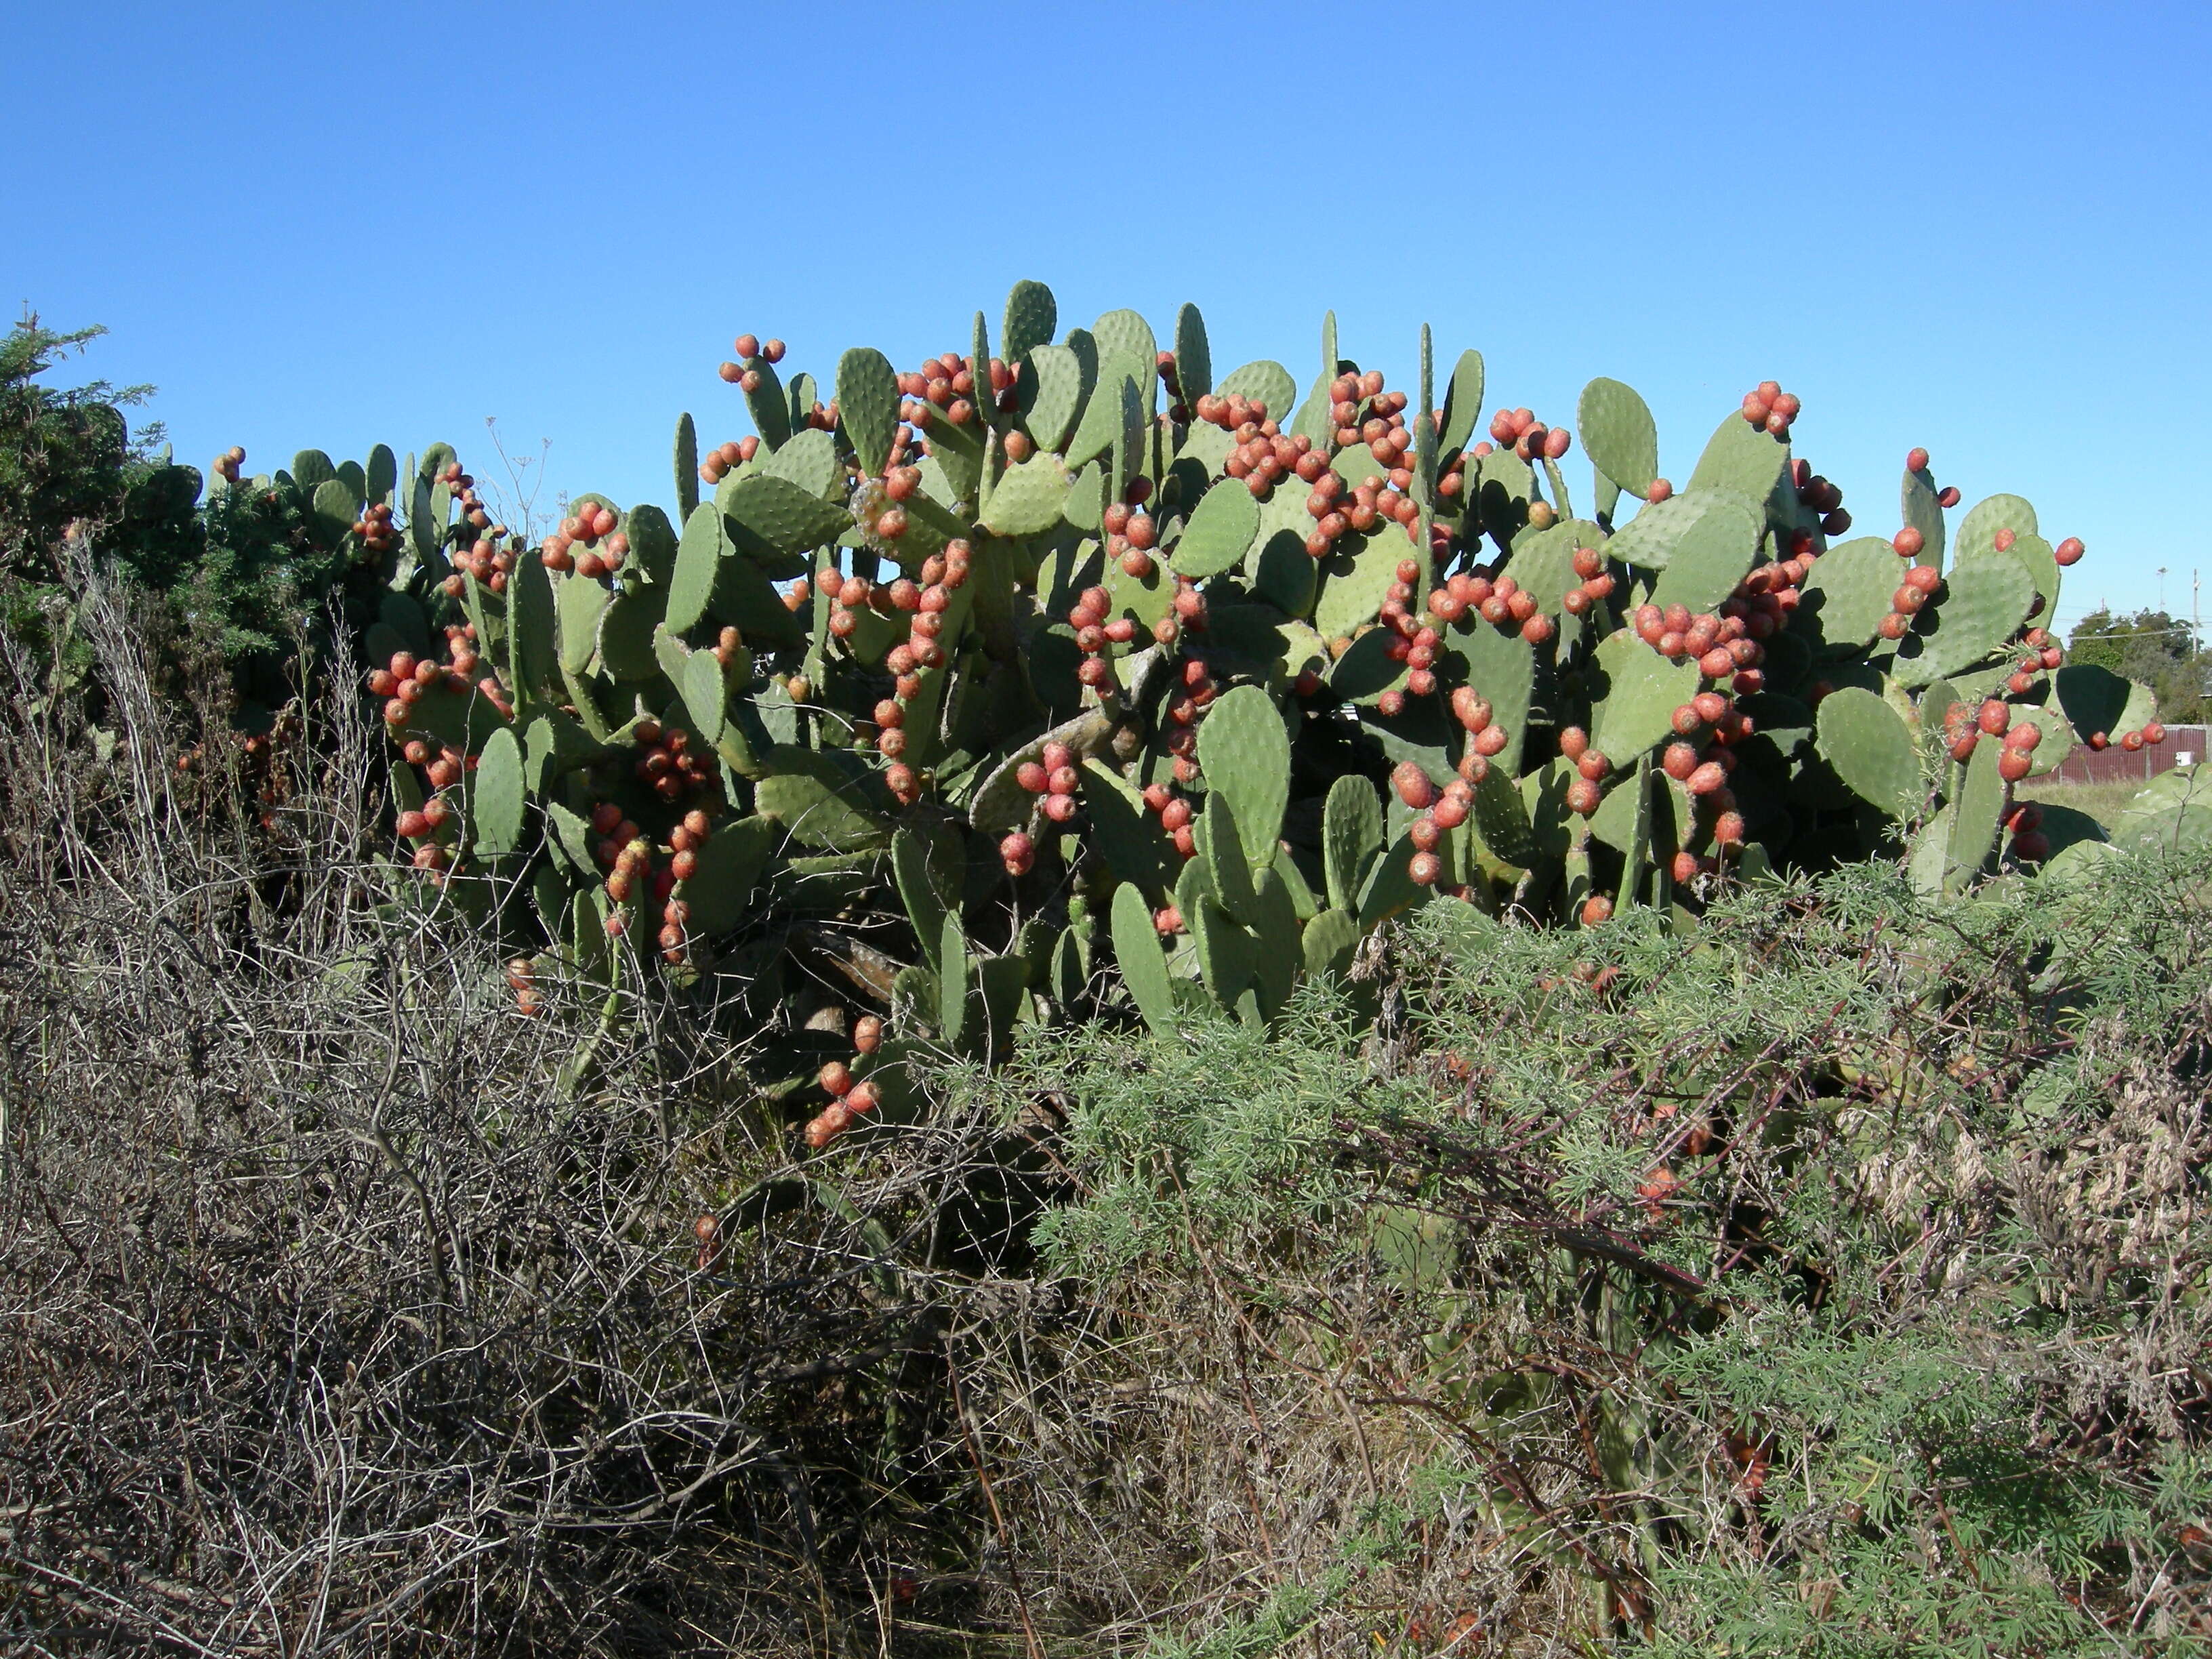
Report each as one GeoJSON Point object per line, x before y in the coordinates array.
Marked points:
{"type": "Point", "coordinates": [1831, 1279]}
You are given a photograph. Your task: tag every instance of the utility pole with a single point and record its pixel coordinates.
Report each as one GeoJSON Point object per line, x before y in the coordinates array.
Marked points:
{"type": "Point", "coordinates": [2162, 590]}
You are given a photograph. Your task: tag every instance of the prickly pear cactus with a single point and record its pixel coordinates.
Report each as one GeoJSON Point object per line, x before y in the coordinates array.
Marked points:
{"type": "Point", "coordinates": [1027, 659]}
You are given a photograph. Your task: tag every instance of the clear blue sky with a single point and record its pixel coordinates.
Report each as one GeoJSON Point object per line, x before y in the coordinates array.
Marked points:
{"type": "Point", "coordinates": [1980, 228]}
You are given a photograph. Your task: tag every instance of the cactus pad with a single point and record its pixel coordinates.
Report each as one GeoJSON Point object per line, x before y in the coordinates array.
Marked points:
{"type": "Point", "coordinates": [1246, 756]}
{"type": "Point", "coordinates": [1872, 750]}
{"type": "Point", "coordinates": [1217, 533]}
{"type": "Point", "coordinates": [1618, 435]}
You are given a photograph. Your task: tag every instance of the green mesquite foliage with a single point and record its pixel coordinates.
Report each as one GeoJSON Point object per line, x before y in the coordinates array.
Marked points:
{"type": "Point", "coordinates": [1080, 653]}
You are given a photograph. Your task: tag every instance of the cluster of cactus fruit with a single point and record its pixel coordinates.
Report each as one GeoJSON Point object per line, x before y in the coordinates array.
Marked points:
{"type": "Point", "coordinates": [1053, 675]}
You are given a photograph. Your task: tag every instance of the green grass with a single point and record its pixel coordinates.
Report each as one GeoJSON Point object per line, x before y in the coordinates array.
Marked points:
{"type": "Point", "coordinates": [2104, 802]}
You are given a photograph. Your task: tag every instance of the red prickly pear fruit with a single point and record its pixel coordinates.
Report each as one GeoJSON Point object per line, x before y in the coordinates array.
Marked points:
{"type": "Point", "coordinates": [1660, 490]}
{"type": "Point", "coordinates": [1390, 704]}
{"type": "Point", "coordinates": [1056, 755]}
{"type": "Point", "coordinates": [904, 786]}
{"type": "Point", "coordinates": [1993, 717]}
{"type": "Point", "coordinates": [1426, 869]}
{"type": "Point", "coordinates": [1916, 460]}
{"type": "Point", "coordinates": [2131, 741]}
{"type": "Point", "coordinates": [1018, 853]}
{"type": "Point", "coordinates": [1895, 626]}
{"type": "Point", "coordinates": [1063, 781]}
{"type": "Point", "coordinates": [1450, 812]}
{"type": "Point", "coordinates": [2025, 736]}
{"type": "Point", "coordinates": [1705, 779]}
{"type": "Point", "coordinates": [1144, 532]}
{"type": "Point", "coordinates": [863, 1098]}
{"type": "Point", "coordinates": [1413, 786]}
{"type": "Point", "coordinates": [1947, 496]}
{"type": "Point", "coordinates": [2153, 733]}
{"type": "Point", "coordinates": [748, 345]}
{"type": "Point", "coordinates": [606, 818]}
{"type": "Point", "coordinates": [1683, 868]}
{"type": "Point", "coordinates": [2068, 552]}
{"type": "Point", "coordinates": [1716, 664]}
{"type": "Point", "coordinates": [1908, 542]}
{"type": "Point", "coordinates": [2004, 539]}
{"type": "Point", "coordinates": [1032, 776]}
{"type": "Point", "coordinates": [836, 1077]}
{"type": "Point", "coordinates": [868, 1034]}
{"type": "Point", "coordinates": [1678, 761]}
{"type": "Point", "coordinates": [2021, 683]}
{"type": "Point", "coordinates": [1573, 742]}
{"type": "Point", "coordinates": [1020, 446]}
{"type": "Point", "coordinates": [1594, 765]}
{"type": "Point", "coordinates": [1729, 829]}
{"type": "Point", "coordinates": [1962, 747]}
{"type": "Point", "coordinates": [1490, 741]}
{"type": "Point", "coordinates": [1167, 921]}
{"type": "Point", "coordinates": [1589, 562]}
{"type": "Point", "coordinates": [1710, 706]}
{"type": "Point", "coordinates": [1539, 628]}
{"type": "Point", "coordinates": [1924, 579]}
{"type": "Point", "coordinates": [685, 865]}
{"type": "Point", "coordinates": [2099, 740]}
{"type": "Point", "coordinates": [1557, 442]}
{"type": "Point", "coordinates": [731, 372]}
{"type": "Point", "coordinates": [1597, 909]}
{"type": "Point", "coordinates": [1686, 721]}
{"type": "Point", "coordinates": [773, 351]}
{"type": "Point", "coordinates": [2014, 765]}
{"type": "Point", "coordinates": [413, 826]}
{"type": "Point", "coordinates": [1582, 797]}
{"type": "Point", "coordinates": [1425, 832]}
{"type": "Point", "coordinates": [1755, 409]}
{"type": "Point", "coordinates": [1835, 523]}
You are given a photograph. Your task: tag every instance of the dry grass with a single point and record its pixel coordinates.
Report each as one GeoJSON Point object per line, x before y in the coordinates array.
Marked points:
{"type": "Point", "coordinates": [2104, 802]}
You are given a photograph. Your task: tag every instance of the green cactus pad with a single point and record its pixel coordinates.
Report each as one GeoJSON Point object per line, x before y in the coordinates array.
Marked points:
{"type": "Point", "coordinates": [571, 840]}
{"type": "Point", "coordinates": [2040, 559]}
{"type": "Point", "coordinates": [652, 542]}
{"type": "Point", "coordinates": [497, 797]}
{"type": "Point", "coordinates": [809, 461]}
{"type": "Point", "coordinates": [1330, 941]}
{"type": "Point", "coordinates": [1978, 531]}
{"type": "Point", "coordinates": [687, 466]}
{"type": "Point", "coordinates": [1144, 965]}
{"type": "Point", "coordinates": [1027, 500]}
{"type": "Point", "coordinates": [1391, 889]}
{"type": "Point", "coordinates": [1982, 603]}
{"type": "Point", "coordinates": [626, 634]}
{"type": "Point", "coordinates": [1000, 803]}
{"type": "Point", "coordinates": [1714, 536]}
{"type": "Point", "coordinates": [1503, 485]}
{"type": "Point", "coordinates": [1499, 819]}
{"type": "Point", "coordinates": [1501, 666]}
{"type": "Point", "coordinates": [2057, 740]}
{"type": "Point", "coordinates": [1050, 389]}
{"type": "Point", "coordinates": [953, 983]}
{"type": "Point", "coordinates": [770, 410]}
{"type": "Point", "coordinates": [1105, 412]}
{"type": "Point", "coordinates": [334, 508]}
{"type": "Point", "coordinates": [1846, 595]}
{"type": "Point", "coordinates": [819, 810]}
{"type": "Point", "coordinates": [2094, 699]}
{"type": "Point", "coordinates": [1227, 958]}
{"type": "Point", "coordinates": [1283, 573]}
{"type": "Point", "coordinates": [578, 603]}
{"type": "Point", "coordinates": [1194, 358]}
{"type": "Point", "coordinates": [706, 696]}
{"type": "Point", "coordinates": [1245, 754]}
{"type": "Point", "coordinates": [1366, 671]}
{"type": "Point", "coordinates": [1266, 381]}
{"type": "Point", "coordinates": [1350, 837]}
{"type": "Point", "coordinates": [1030, 320]}
{"type": "Point", "coordinates": [926, 905]}
{"type": "Point", "coordinates": [1618, 435]}
{"type": "Point", "coordinates": [1872, 750]}
{"type": "Point", "coordinates": [1918, 506]}
{"type": "Point", "coordinates": [729, 862]}
{"type": "Point", "coordinates": [1228, 867]}
{"type": "Point", "coordinates": [1144, 599]}
{"type": "Point", "coordinates": [1742, 458]}
{"type": "Point", "coordinates": [1353, 585]}
{"type": "Point", "coordinates": [1463, 403]}
{"type": "Point", "coordinates": [868, 406]}
{"type": "Point", "coordinates": [1275, 957]}
{"type": "Point", "coordinates": [775, 515]}
{"type": "Point", "coordinates": [699, 558]}
{"type": "Point", "coordinates": [533, 661]}
{"type": "Point", "coordinates": [1135, 848]}
{"type": "Point", "coordinates": [1217, 533]}
{"type": "Point", "coordinates": [1974, 817]}
{"type": "Point", "coordinates": [1634, 694]}
{"type": "Point", "coordinates": [1544, 561]}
